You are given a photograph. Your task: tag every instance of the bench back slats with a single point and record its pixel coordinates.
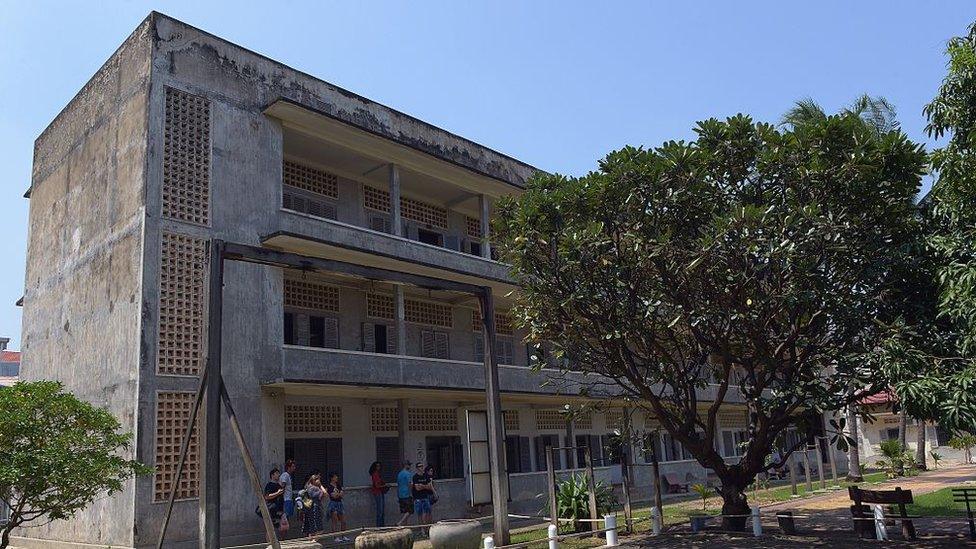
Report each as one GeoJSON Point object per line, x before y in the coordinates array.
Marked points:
{"type": "Point", "coordinates": [896, 496]}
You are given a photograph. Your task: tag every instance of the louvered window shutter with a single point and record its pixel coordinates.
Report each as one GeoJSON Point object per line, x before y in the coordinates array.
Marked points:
{"type": "Point", "coordinates": [332, 332]}
{"type": "Point", "coordinates": [428, 347]}
{"type": "Point", "coordinates": [540, 454]}
{"type": "Point", "coordinates": [301, 329]}
{"type": "Point", "coordinates": [479, 348]}
{"type": "Point", "coordinates": [525, 457]}
{"type": "Point", "coordinates": [391, 339]}
{"type": "Point", "coordinates": [333, 456]}
{"type": "Point", "coordinates": [369, 337]}
{"type": "Point", "coordinates": [441, 348]}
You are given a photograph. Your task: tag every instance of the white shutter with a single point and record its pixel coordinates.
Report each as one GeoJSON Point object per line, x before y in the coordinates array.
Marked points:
{"type": "Point", "coordinates": [369, 337]}
{"type": "Point", "coordinates": [332, 332]}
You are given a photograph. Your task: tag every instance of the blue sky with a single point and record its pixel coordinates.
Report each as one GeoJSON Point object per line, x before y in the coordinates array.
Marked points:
{"type": "Point", "coordinates": [557, 84]}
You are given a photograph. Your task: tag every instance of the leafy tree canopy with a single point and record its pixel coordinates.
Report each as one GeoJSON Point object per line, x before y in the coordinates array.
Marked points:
{"type": "Point", "coordinates": [756, 258]}
{"type": "Point", "coordinates": [57, 454]}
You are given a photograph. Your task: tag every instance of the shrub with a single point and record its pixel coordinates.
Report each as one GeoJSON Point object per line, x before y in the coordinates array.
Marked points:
{"type": "Point", "coordinates": [573, 499]}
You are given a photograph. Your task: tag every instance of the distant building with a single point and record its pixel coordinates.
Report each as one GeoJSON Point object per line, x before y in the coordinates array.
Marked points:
{"type": "Point", "coordinates": [9, 364]}
{"type": "Point", "coordinates": [884, 425]}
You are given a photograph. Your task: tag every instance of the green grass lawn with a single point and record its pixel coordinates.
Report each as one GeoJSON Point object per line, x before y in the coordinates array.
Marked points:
{"type": "Point", "coordinates": [937, 504]}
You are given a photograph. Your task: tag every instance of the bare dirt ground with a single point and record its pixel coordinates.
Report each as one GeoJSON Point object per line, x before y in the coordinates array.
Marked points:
{"type": "Point", "coordinates": [826, 522]}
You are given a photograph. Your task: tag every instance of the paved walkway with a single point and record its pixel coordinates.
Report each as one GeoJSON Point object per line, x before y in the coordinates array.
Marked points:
{"type": "Point", "coordinates": [829, 522]}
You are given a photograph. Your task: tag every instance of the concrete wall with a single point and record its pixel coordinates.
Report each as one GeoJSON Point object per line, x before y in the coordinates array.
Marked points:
{"type": "Point", "coordinates": [82, 302]}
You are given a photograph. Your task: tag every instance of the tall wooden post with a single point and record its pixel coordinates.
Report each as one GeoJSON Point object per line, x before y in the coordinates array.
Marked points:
{"type": "Point", "coordinates": [656, 476]}
{"type": "Point", "coordinates": [210, 477]}
{"type": "Point", "coordinates": [496, 449]}
{"type": "Point", "coordinates": [570, 444]}
{"type": "Point", "coordinates": [590, 485]}
{"type": "Point", "coordinates": [792, 463]}
{"type": "Point", "coordinates": [833, 462]}
{"type": "Point", "coordinates": [806, 467]}
{"type": "Point", "coordinates": [551, 486]}
{"type": "Point", "coordinates": [820, 466]}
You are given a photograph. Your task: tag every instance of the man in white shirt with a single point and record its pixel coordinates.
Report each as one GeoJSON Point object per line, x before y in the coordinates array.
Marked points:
{"type": "Point", "coordinates": [286, 480]}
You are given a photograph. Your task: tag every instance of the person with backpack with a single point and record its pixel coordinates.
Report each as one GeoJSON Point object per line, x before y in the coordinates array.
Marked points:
{"type": "Point", "coordinates": [274, 498]}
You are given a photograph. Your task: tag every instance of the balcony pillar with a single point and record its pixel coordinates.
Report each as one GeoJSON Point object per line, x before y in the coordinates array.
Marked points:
{"type": "Point", "coordinates": [395, 222]}
{"type": "Point", "coordinates": [401, 326]}
{"type": "Point", "coordinates": [484, 209]}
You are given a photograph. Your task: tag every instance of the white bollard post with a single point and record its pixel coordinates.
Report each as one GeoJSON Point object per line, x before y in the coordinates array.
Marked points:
{"type": "Point", "coordinates": [553, 540]}
{"type": "Point", "coordinates": [655, 521]}
{"type": "Point", "coordinates": [610, 523]}
{"type": "Point", "coordinates": [756, 522]}
{"type": "Point", "coordinates": [489, 542]}
{"type": "Point", "coordinates": [880, 530]}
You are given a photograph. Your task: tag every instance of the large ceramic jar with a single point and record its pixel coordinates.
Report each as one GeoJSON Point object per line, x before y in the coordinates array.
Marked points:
{"type": "Point", "coordinates": [456, 534]}
{"type": "Point", "coordinates": [385, 538]}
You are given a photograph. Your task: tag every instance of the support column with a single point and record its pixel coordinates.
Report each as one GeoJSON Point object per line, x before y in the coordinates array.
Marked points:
{"type": "Point", "coordinates": [402, 428]}
{"type": "Point", "coordinates": [395, 219]}
{"type": "Point", "coordinates": [210, 477]}
{"type": "Point", "coordinates": [496, 446]}
{"type": "Point", "coordinates": [484, 209]}
{"type": "Point", "coordinates": [401, 325]}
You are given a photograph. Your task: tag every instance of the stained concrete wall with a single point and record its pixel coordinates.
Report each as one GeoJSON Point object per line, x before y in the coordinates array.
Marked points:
{"type": "Point", "coordinates": [82, 301]}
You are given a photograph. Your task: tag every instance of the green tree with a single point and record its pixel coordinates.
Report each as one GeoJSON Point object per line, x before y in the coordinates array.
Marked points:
{"type": "Point", "coordinates": [57, 454]}
{"type": "Point", "coordinates": [753, 258]}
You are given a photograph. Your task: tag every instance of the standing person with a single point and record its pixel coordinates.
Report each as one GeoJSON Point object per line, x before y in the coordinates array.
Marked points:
{"type": "Point", "coordinates": [312, 524]}
{"type": "Point", "coordinates": [336, 510]}
{"type": "Point", "coordinates": [274, 499]}
{"type": "Point", "coordinates": [286, 480]}
{"type": "Point", "coordinates": [404, 492]}
{"type": "Point", "coordinates": [423, 489]}
{"type": "Point", "coordinates": [379, 489]}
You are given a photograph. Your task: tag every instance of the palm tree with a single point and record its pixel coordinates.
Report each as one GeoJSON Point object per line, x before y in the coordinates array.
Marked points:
{"type": "Point", "coordinates": [875, 112]}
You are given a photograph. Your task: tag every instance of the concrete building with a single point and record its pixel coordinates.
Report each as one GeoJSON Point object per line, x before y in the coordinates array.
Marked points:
{"type": "Point", "coordinates": [885, 425]}
{"type": "Point", "coordinates": [181, 137]}
{"type": "Point", "coordinates": [9, 364]}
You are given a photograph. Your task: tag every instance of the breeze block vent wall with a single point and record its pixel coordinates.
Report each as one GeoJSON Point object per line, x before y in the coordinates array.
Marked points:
{"type": "Point", "coordinates": [184, 262]}
{"type": "Point", "coordinates": [173, 410]}
{"type": "Point", "coordinates": [313, 419]}
{"type": "Point", "coordinates": [186, 158]}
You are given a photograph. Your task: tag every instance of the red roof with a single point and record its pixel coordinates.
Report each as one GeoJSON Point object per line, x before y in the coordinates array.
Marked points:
{"type": "Point", "coordinates": [10, 356]}
{"type": "Point", "coordinates": [883, 397]}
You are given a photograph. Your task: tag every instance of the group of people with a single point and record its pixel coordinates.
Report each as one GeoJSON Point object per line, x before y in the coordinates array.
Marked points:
{"type": "Point", "coordinates": [415, 492]}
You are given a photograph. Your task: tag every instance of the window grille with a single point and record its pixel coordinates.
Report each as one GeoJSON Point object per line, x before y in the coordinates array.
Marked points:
{"type": "Point", "coordinates": [429, 313]}
{"type": "Point", "coordinates": [309, 294]}
{"type": "Point", "coordinates": [432, 419]}
{"type": "Point", "coordinates": [549, 419]}
{"type": "Point", "coordinates": [383, 419]}
{"type": "Point", "coordinates": [313, 419]}
{"type": "Point", "coordinates": [414, 210]}
{"type": "Point", "coordinates": [376, 199]}
{"type": "Point", "coordinates": [615, 419]}
{"type": "Point", "coordinates": [511, 418]}
{"type": "Point", "coordinates": [472, 226]}
{"type": "Point", "coordinates": [584, 421]}
{"type": "Point", "coordinates": [173, 411]}
{"type": "Point", "coordinates": [310, 179]}
{"type": "Point", "coordinates": [380, 306]}
{"type": "Point", "coordinates": [503, 323]}
{"type": "Point", "coordinates": [182, 279]}
{"type": "Point", "coordinates": [186, 158]}
{"type": "Point", "coordinates": [434, 344]}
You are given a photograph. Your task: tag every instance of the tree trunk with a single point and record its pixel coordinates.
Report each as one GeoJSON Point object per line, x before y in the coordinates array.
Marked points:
{"type": "Point", "coordinates": [902, 435]}
{"type": "Point", "coordinates": [5, 536]}
{"type": "Point", "coordinates": [735, 507]}
{"type": "Point", "coordinates": [920, 445]}
{"type": "Point", "coordinates": [853, 450]}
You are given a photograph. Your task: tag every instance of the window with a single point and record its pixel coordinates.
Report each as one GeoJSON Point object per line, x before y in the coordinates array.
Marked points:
{"type": "Point", "coordinates": [596, 449]}
{"type": "Point", "coordinates": [474, 248]}
{"type": "Point", "coordinates": [504, 349]}
{"type": "Point", "coordinates": [314, 454]}
{"type": "Point", "coordinates": [430, 237]}
{"type": "Point", "coordinates": [379, 338]}
{"type": "Point", "coordinates": [613, 450]}
{"type": "Point", "coordinates": [889, 434]}
{"type": "Point", "coordinates": [290, 329]}
{"type": "Point", "coordinates": [732, 442]}
{"type": "Point", "coordinates": [388, 454]}
{"type": "Point", "coordinates": [942, 436]}
{"type": "Point", "coordinates": [541, 442]}
{"type": "Point", "coordinates": [445, 455]}
{"type": "Point", "coordinates": [380, 223]}
{"type": "Point", "coordinates": [293, 199]}
{"type": "Point", "coordinates": [311, 330]}
{"type": "Point", "coordinates": [517, 456]}
{"type": "Point", "coordinates": [434, 344]}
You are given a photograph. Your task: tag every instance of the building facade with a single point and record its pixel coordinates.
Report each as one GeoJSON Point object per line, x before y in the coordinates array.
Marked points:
{"type": "Point", "coordinates": [885, 423]}
{"type": "Point", "coordinates": [182, 137]}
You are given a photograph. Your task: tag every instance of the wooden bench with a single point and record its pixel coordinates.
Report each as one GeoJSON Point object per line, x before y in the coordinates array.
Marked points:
{"type": "Point", "coordinates": [864, 518]}
{"type": "Point", "coordinates": [967, 496]}
{"type": "Point", "coordinates": [676, 483]}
